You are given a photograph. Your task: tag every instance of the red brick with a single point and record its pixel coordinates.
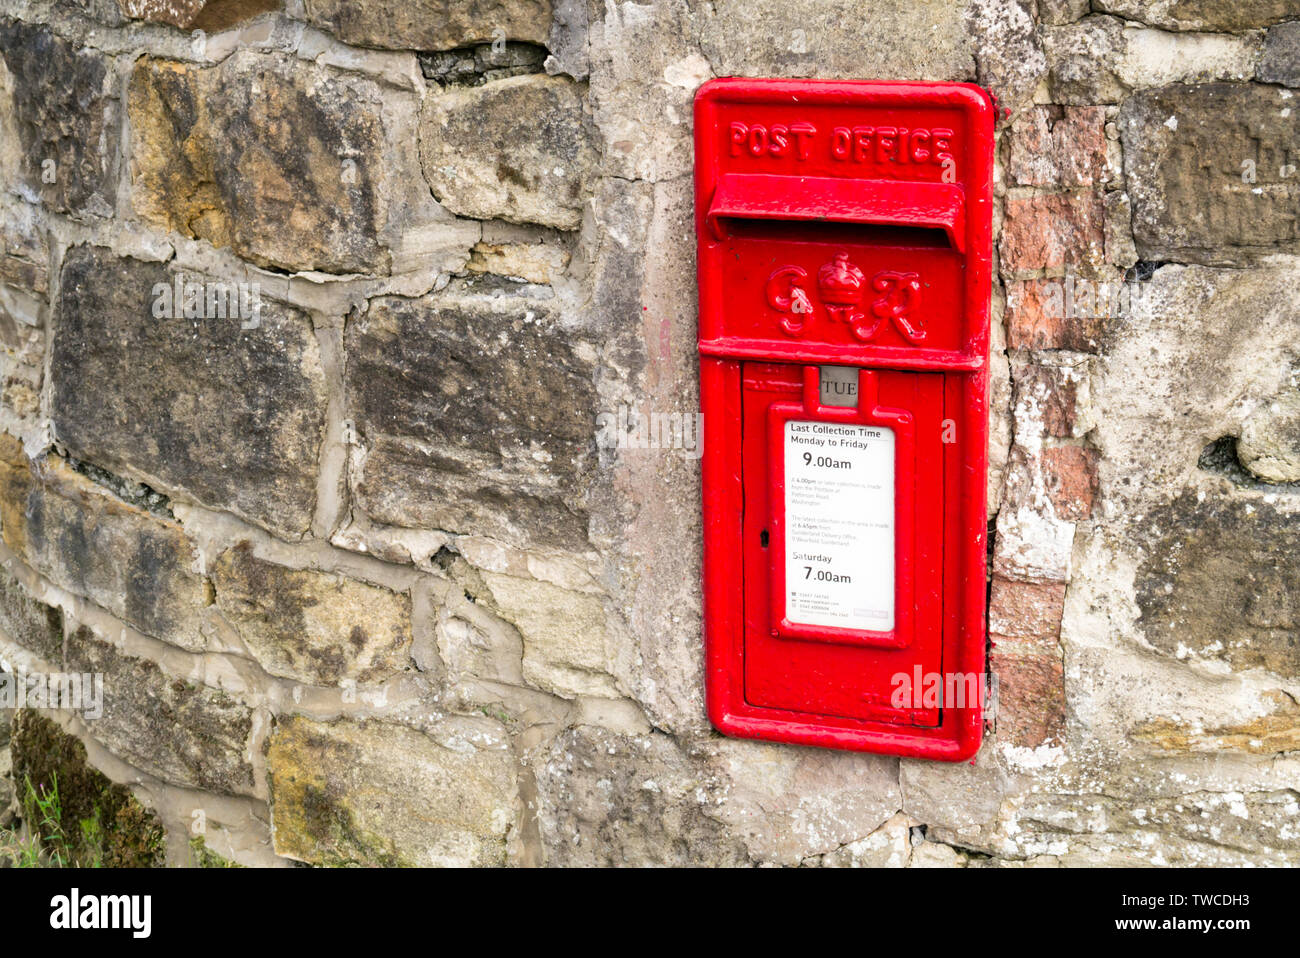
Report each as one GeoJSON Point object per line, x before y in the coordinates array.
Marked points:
{"type": "Point", "coordinates": [1026, 610]}
{"type": "Point", "coordinates": [1031, 698]}
{"type": "Point", "coordinates": [1039, 317]}
{"type": "Point", "coordinates": [1070, 473]}
{"type": "Point", "coordinates": [1055, 146]}
{"type": "Point", "coordinates": [1046, 232]}
{"type": "Point", "coordinates": [1054, 391]}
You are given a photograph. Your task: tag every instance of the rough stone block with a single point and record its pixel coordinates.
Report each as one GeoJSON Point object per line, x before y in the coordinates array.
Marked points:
{"type": "Point", "coordinates": [1006, 42]}
{"type": "Point", "coordinates": [889, 846]}
{"type": "Point", "coordinates": [230, 416]}
{"type": "Point", "coordinates": [316, 627]}
{"type": "Point", "coordinates": [138, 565]}
{"type": "Point", "coordinates": [563, 632]}
{"type": "Point", "coordinates": [474, 645]}
{"type": "Point", "coordinates": [24, 306]}
{"type": "Point", "coordinates": [1101, 59]}
{"type": "Point", "coordinates": [66, 116]}
{"type": "Point", "coordinates": [33, 625]}
{"type": "Point", "coordinates": [609, 799]}
{"type": "Point", "coordinates": [431, 24]}
{"type": "Point", "coordinates": [1276, 731]}
{"type": "Point", "coordinates": [1201, 14]}
{"type": "Point", "coordinates": [1281, 60]}
{"type": "Point", "coordinates": [477, 411]}
{"type": "Point", "coordinates": [281, 160]}
{"type": "Point", "coordinates": [531, 262]}
{"type": "Point", "coordinates": [186, 734]}
{"type": "Point", "coordinates": [540, 162]}
{"type": "Point", "coordinates": [791, 804]}
{"type": "Point", "coordinates": [1196, 352]}
{"type": "Point", "coordinates": [372, 793]}
{"type": "Point", "coordinates": [1056, 12]}
{"type": "Point", "coordinates": [1270, 439]}
{"type": "Point", "coordinates": [1211, 172]}
{"type": "Point", "coordinates": [840, 38]}
{"type": "Point", "coordinates": [1218, 581]}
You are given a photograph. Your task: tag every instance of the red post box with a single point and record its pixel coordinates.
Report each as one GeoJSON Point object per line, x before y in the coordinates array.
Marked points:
{"type": "Point", "coordinates": [844, 249]}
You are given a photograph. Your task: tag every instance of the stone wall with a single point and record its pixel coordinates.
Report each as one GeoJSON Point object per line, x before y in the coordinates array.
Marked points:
{"type": "Point", "coordinates": [362, 584]}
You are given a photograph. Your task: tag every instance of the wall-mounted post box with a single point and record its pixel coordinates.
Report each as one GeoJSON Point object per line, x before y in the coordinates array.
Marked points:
{"type": "Point", "coordinates": [844, 250]}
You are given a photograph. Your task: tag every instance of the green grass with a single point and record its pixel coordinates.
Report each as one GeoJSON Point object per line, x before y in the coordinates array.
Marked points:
{"type": "Point", "coordinates": [43, 839]}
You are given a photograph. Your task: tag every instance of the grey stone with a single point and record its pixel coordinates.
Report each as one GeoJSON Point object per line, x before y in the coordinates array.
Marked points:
{"type": "Point", "coordinates": [207, 15]}
{"type": "Point", "coordinates": [1057, 12]}
{"type": "Point", "coordinates": [473, 644]}
{"type": "Point", "coordinates": [889, 846]}
{"type": "Point", "coordinates": [839, 38]}
{"type": "Point", "coordinates": [431, 24]}
{"type": "Point", "coordinates": [66, 116]}
{"type": "Point", "coordinates": [230, 416]}
{"type": "Point", "coordinates": [316, 627]}
{"type": "Point", "coordinates": [1219, 581]}
{"type": "Point", "coordinates": [481, 64]}
{"type": "Point", "coordinates": [107, 12]}
{"type": "Point", "coordinates": [477, 412]}
{"type": "Point", "coordinates": [1201, 14]}
{"type": "Point", "coordinates": [935, 855]}
{"type": "Point", "coordinates": [33, 625]}
{"type": "Point", "coordinates": [645, 67]}
{"type": "Point", "coordinates": [1270, 439]}
{"type": "Point", "coordinates": [1008, 51]}
{"type": "Point", "coordinates": [1196, 826]}
{"type": "Point", "coordinates": [568, 41]}
{"type": "Point", "coordinates": [541, 161]}
{"type": "Point", "coordinates": [1084, 59]}
{"type": "Point", "coordinates": [138, 566]}
{"type": "Point", "coordinates": [1281, 60]}
{"type": "Point", "coordinates": [24, 309]}
{"type": "Point", "coordinates": [1150, 381]}
{"type": "Point", "coordinates": [958, 803]}
{"type": "Point", "coordinates": [564, 635]}
{"type": "Point", "coordinates": [1208, 172]}
{"type": "Point", "coordinates": [608, 799]}
{"type": "Point", "coordinates": [280, 160]}
{"type": "Point", "coordinates": [649, 500]}
{"type": "Point", "coordinates": [790, 804]}
{"type": "Point", "coordinates": [186, 734]}
{"type": "Point", "coordinates": [1101, 59]}
{"type": "Point", "coordinates": [373, 793]}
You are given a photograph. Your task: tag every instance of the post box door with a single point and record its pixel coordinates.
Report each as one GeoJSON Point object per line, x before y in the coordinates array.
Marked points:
{"type": "Point", "coordinates": [843, 548]}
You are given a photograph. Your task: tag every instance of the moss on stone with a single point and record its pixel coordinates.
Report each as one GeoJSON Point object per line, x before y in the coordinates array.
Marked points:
{"type": "Point", "coordinates": [204, 857]}
{"type": "Point", "coordinates": [101, 822]}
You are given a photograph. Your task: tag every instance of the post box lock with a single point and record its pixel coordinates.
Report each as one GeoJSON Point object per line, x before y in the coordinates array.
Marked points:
{"type": "Point", "coordinates": [844, 254]}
